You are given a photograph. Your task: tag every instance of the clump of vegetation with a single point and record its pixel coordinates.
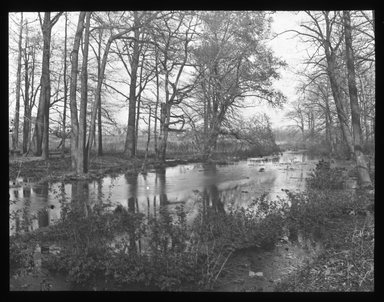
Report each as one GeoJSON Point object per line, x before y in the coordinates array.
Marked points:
{"type": "Point", "coordinates": [162, 251]}
{"type": "Point", "coordinates": [347, 261]}
{"type": "Point", "coordinates": [325, 177]}
{"type": "Point", "coordinates": [20, 255]}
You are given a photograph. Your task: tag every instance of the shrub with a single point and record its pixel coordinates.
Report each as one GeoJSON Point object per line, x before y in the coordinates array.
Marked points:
{"type": "Point", "coordinates": [20, 254]}
{"type": "Point", "coordinates": [325, 177]}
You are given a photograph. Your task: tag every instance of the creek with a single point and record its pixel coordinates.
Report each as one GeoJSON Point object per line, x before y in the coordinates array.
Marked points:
{"type": "Point", "coordinates": [38, 205]}
{"type": "Point", "coordinates": [237, 183]}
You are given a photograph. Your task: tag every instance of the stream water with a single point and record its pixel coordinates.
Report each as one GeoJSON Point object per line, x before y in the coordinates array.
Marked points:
{"type": "Point", "coordinates": [33, 206]}
{"type": "Point", "coordinates": [38, 205]}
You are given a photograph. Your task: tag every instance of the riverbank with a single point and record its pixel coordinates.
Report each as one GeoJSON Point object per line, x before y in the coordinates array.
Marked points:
{"type": "Point", "coordinates": [346, 264]}
{"type": "Point", "coordinates": [34, 169]}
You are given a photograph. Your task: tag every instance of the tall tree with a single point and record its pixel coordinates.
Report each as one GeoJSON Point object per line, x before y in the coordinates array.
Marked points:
{"type": "Point", "coordinates": [361, 164]}
{"type": "Point", "coordinates": [15, 134]}
{"type": "Point", "coordinates": [233, 62]}
{"type": "Point", "coordinates": [32, 43]}
{"type": "Point", "coordinates": [100, 80]}
{"type": "Point", "coordinates": [72, 90]}
{"type": "Point", "coordinates": [27, 109]}
{"type": "Point", "coordinates": [42, 119]}
{"type": "Point", "coordinates": [324, 31]}
{"type": "Point", "coordinates": [174, 44]}
{"type": "Point", "coordinates": [82, 162]}
{"type": "Point", "coordinates": [65, 86]}
{"type": "Point", "coordinates": [130, 142]}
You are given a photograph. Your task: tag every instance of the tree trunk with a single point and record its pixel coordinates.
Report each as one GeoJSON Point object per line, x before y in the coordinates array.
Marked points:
{"type": "Point", "coordinates": [361, 164]}
{"type": "Point", "coordinates": [97, 104]}
{"type": "Point", "coordinates": [148, 138]}
{"type": "Point", "coordinates": [156, 106]}
{"type": "Point", "coordinates": [100, 132]}
{"type": "Point", "coordinates": [130, 142]}
{"type": "Point", "coordinates": [137, 122]}
{"type": "Point", "coordinates": [27, 109]}
{"type": "Point", "coordinates": [72, 91]}
{"type": "Point", "coordinates": [45, 92]}
{"type": "Point", "coordinates": [164, 109]}
{"type": "Point", "coordinates": [81, 151]}
{"type": "Point", "coordinates": [328, 121]}
{"type": "Point", "coordinates": [364, 109]}
{"type": "Point", "coordinates": [15, 134]}
{"type": "Point", "coordinates": [65, 87]}
{"type": "Point", "coordinates": [338, 98]}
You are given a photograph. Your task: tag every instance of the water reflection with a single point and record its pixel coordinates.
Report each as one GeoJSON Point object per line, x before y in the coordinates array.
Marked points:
{"type": "Point", "coordinates": [211, 199]}
{"type": "Point", "coordinates": [212, 186]}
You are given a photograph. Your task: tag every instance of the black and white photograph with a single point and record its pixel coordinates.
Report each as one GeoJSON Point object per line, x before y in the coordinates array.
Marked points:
{"type": "Point", "coordinates": [192, 150]}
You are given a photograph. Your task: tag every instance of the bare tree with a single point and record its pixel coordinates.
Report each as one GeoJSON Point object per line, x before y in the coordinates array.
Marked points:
{"type": "Point", "coordinates": [361, 164]}
{"type": "Point", "coordinates": [65, 86]}
{"type": "Point", "coordinates": [175, 52]}
{"type": "Point", "coordinates": [15, 134]}
{"type": "Point", "coordinates": [82, 162]}
{"type": "Point", "coordinates": [130, 143]}
{"type": "Point", "coordinates": [72, 91]}
{"type": "Point", "coordinates": [324, 30]}
{"type": "Point", "coordinates": [42, 120]}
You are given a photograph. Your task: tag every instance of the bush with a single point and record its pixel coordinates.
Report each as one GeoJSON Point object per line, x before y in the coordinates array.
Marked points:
{"type": "Point", "coordinates": [324, 177]}
{"type": "Point", "coordinates": [20, 254]}
{"type": "Point", "coordinates": [347, 263]}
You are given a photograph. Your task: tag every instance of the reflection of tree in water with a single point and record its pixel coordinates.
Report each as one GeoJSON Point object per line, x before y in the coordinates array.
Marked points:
{"type": "Point", "coordinates": [26, 221]}
{"type": "Point", "coordinates": [132, 204]}
{"type": "Point", "coordinates": [43, 218]}
{"type": "Point", "coordinates": [160, 176]}
{"type": "Point", "coordinates": [211, 199]}
{"type": "Point", "coordinates": [100, 194]}
{"type": "Point", "coordinates": [26, 192]}
{"type": "Point", "coordinates": [42, 214]}
{"type": "Point", "coordinates": [164, 214]}
{"type": "Point", "coordinates": [80, 197]}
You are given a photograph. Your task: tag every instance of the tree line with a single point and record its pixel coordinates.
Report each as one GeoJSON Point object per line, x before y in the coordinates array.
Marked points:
{"type": "Point", "coordinates": [179, 68]}
{"type": "Point", "coordinates": [336, 102]}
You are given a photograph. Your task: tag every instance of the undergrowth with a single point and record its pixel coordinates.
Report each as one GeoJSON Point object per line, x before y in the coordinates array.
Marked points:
{"type": "Point", "coordinates": [347, 262]}
{"type": "Point", "coordinates": [162, 251]}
